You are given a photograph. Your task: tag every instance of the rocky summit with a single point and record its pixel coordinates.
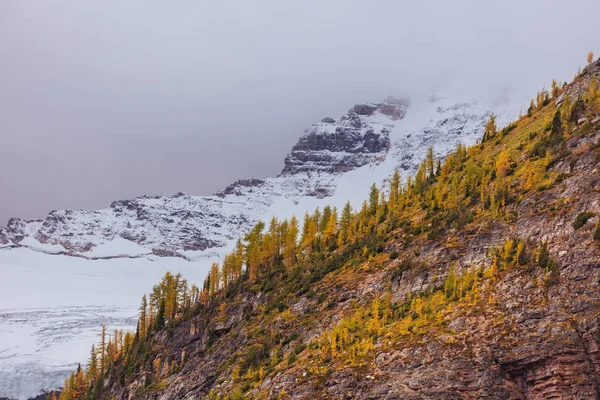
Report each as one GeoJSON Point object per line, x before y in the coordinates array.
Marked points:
{"type": "Point", "coordinates": [353, 141]}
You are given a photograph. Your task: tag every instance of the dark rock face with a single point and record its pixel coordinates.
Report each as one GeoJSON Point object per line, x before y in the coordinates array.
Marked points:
{"type": "Point", "coordinates": [394, 107]}
{"type": "Point", "coordinates": [237, 187]}
{"type": "Point", "coordinates": [578, 88]}
{"type": "Point", "coordinates": [165, 253]}
{"type": "Point", "coordinates": [358, 138]}
{"type": "Point", "coordinates": [15, 229]}
{"type": "Point", "coordinates": [163, 224]}
{"type": "Point", "coordinates": [51, 224]}
{"type": "Point", "coordinates": [3, 236]}
{"type": "Point", "coordinates": [364, 109]}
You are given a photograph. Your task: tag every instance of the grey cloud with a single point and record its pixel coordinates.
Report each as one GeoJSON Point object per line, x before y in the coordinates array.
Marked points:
{"type": "Point", "coordinates": [110, 99]}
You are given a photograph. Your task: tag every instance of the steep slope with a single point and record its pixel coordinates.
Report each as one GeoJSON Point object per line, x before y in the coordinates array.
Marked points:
{"type": "Point", "coordinates": [478, 279]}
{"type": "Point", "coordinates": [112, 256]}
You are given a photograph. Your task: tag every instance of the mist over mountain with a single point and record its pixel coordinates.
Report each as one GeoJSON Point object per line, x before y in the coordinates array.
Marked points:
{"type": "Point", "coordinates": [112, 100]}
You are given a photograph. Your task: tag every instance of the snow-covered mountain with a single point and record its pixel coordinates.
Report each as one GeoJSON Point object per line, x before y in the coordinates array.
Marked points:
{"type": "Point", "coordinates": [174, 225]}
{"type": "Point", "coordinates": [78, 269]}
{"type": "Point", "coordinates": [183, 225]}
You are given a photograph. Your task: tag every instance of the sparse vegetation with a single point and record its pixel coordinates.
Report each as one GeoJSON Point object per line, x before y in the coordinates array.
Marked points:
{"type": "Point", "coordinates": [581, 219]}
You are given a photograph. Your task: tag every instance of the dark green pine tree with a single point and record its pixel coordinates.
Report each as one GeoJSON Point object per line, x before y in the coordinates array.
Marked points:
{"type": "Point", "coordinates": [373, 199]}
{"type": "Point", "coordinates": [556, 132]}
{"type": "Point", "coordinates": [160, 315]}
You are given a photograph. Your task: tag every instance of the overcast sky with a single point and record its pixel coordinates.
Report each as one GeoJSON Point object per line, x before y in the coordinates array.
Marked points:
{"type": "Point", "coordinates": [102, 100]}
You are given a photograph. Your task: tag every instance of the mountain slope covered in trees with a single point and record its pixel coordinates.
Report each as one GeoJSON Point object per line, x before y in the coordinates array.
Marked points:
{"type": "Point", "coordinates": [476, 278]}
{"type": "Point", "coordinates": [126, 248]}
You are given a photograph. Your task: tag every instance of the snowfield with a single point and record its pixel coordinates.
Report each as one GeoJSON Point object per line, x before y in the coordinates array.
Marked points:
{"type": "Point", "coordinates": [52, 305]}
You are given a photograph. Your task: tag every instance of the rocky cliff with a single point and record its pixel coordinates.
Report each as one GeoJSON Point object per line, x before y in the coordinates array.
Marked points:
{"type": "Point", "coordinates": [481, 279]}
{"type": "Point", "coordinates": [355, 140]}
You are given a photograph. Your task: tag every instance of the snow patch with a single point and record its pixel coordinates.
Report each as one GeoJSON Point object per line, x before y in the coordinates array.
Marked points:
{"type": "Point", "coordinates": [35, 245]}
{"type": "Point", "coordinates": [52, 307]}
{"type": "Point", "coordinates": [118, 247]}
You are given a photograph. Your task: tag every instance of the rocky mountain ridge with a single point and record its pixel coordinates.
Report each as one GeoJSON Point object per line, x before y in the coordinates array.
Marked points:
{"type": "Point", "coordinates": [185, 225]}
{"type": "Point", "coordinates": [166, 224]}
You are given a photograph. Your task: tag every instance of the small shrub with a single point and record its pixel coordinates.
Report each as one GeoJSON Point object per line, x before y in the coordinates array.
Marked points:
{"type": "Point", "coordinates": [523, 256]}
{"type": "Point", "coordinates": [539, 149]}
{"type": "Point", "coordinates": [532, 135]}
{"type": "Point", "coordinates": [597, 232]}
{"type": "Point", "coordinates": [405, 265]}
{"type": "Point", "coordinates": [291, 358]}
{"type": "Point", "coordinates": [577, 110]}
{"type": "Point", "coordinates": [544, 256]}
{"type": "Point", "coordinates": [546, 262]}
{"type": "Point", "coordinates": [553, 276]}
{"type": "Point", "coordinates": [508, 129]}
{"type": "Point", "coordinates": [587, 128]}
{"type": "Point", "coordinates": [237, 394]}
{"type": "Point", "coordinates": [299, 348]}
{"type": "Point", "coordinates": [581, 219]}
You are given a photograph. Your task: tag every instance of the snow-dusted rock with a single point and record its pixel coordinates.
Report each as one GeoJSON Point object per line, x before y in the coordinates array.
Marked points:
{"type": "Point", "coordinates": [373, 136]}
{"type": "Point", "coordinates": [361, 137]}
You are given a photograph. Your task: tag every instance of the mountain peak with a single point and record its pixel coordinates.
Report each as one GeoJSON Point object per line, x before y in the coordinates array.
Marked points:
{"type": "Point", "coordinates": [360, 137]}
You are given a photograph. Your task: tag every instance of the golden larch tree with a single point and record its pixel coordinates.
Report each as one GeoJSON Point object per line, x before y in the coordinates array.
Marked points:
{"type": "Point", "coordinates": [502, 163]}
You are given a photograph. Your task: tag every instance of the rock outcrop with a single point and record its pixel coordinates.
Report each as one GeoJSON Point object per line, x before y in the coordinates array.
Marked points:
{"type": "Point", "coordinates": [359, 138]}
